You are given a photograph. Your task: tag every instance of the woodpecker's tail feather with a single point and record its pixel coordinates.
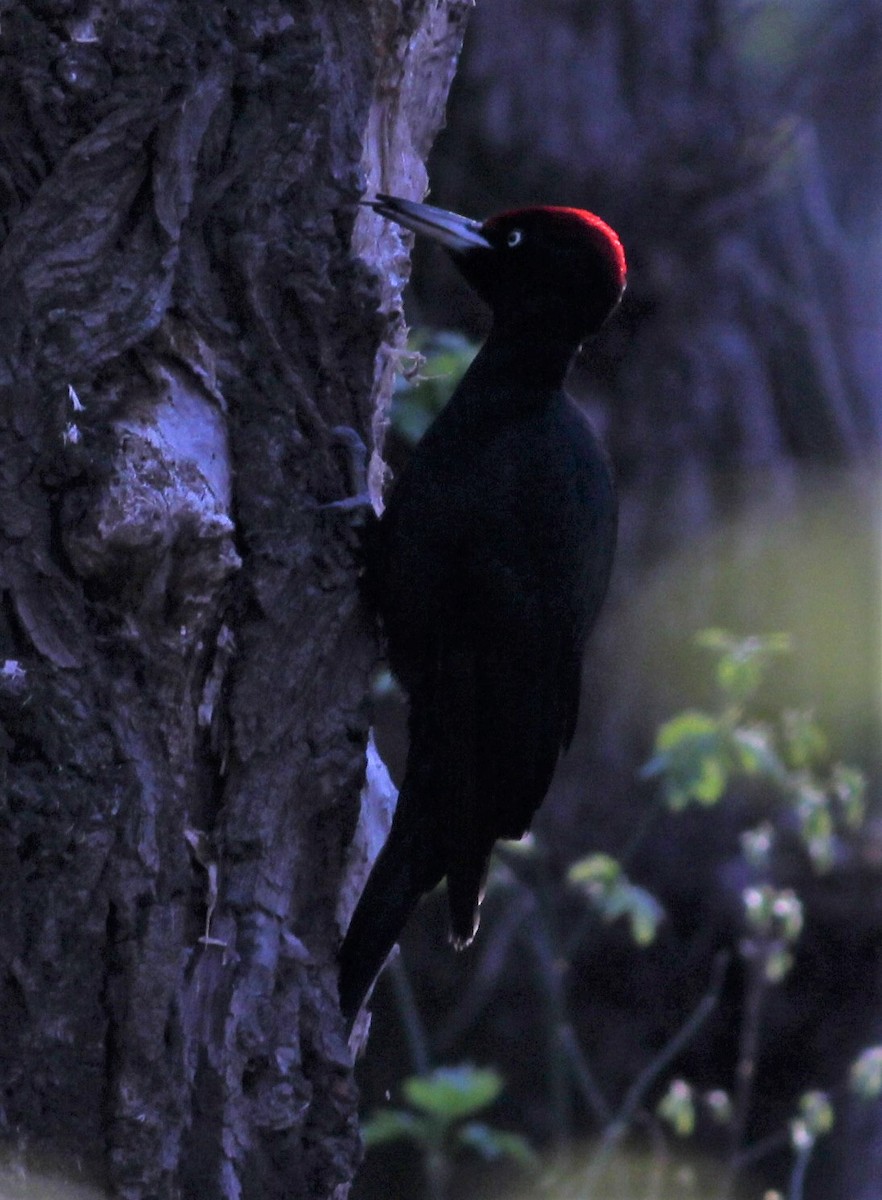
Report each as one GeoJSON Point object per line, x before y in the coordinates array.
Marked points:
{"type": "Point", "coordinates": [406, 868]}
{"type": "Point", "coordinates": [466, 877]}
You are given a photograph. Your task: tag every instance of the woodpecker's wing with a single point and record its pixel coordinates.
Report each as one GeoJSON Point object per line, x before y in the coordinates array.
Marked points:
{"type": "Point", "coordinates": [534, 577]}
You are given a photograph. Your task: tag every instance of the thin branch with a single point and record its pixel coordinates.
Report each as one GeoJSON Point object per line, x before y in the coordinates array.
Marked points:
{"type": "Point", "coordinates": [408, 1010]}
{"type": "Point", "coordinates": [745, 1071]}
{"type": "Point", "coordinates": [582, 1074]}
{"type": "Point", "coordinates": [797, 1177]}
{"type": "Point", "coordinates": [502, 931]}
{"type": "Point", "coordinates": [618, 1128]}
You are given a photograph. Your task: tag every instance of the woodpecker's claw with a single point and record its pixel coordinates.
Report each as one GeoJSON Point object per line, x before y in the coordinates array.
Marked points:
{"type": "Point", "coordinates": [345, 435]}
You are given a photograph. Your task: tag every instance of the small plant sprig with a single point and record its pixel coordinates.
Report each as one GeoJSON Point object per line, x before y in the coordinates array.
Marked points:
{"type": "Point", "coordinates": [602, 879]}
{"type": "Point", "coordinates": [698, 755]}
{"type": "Point", "coordinates": [440, 1120]}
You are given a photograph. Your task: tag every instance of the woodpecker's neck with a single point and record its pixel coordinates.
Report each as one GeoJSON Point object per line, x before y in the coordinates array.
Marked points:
{"type": "Point", "coordinates": [526, 356]}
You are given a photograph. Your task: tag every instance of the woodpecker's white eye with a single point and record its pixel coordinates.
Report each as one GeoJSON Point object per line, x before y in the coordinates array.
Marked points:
{"type": "Point", "coordinates": [515, 237]}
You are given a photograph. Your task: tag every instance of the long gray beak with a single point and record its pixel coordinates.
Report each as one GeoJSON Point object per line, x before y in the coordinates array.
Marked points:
{"type": "Point", "coordinates": [451, 230]}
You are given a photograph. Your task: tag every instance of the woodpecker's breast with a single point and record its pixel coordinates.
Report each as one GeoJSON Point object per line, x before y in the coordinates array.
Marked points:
{"type": "Point", "coordinates": [493, 522]}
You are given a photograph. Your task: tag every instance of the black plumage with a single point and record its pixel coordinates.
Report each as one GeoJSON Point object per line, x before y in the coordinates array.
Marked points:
{"type": "Point", "coordinates": [490, 565]}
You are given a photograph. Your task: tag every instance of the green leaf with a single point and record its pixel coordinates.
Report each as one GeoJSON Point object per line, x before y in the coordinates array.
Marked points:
{"type": "Point", "coordinates": [721, 640]}
{"type": "Point", "coordinates": [685, 730]}
{"type": "Point", "coordinates": [496, 1144]}
{"type": "Point", "coordinates": [755, 753]}
{"type": "Point", "coordinates": [740, 673]}
{"type": "Point", "coordinates": [411, 420]}
{"type": "Point", "coordinates": [595, 871]}
{"type": "Point", "coordinates": [645, 914]}
{"type": "Point", "coordinates": [742, 661]}
{"type": "Point", "coordinates": [385, 684]}
{"type": "Point", "coordinates": [716, 639]}
{"type": "Point", "coordinates": [804, 741]}
{"type": "Point", "coordinates": [390, 1125]}
{"type": "Point", "coordinates": [603, 881]}
{"type": "Point", "coordinates": [690, 754]}
{"type": "Point", "coordinates": [439, 360]}
{"type": "Point", "coordinates": [778, 965]}
{"type": "Point", "coordinates": [817, 1112]}
{"type": "Point", "coordinates": [815, 821]}
{"type": "Point", "coordinates": [822, 852]}
{"type": "Point", "coordinates": [850, 790]}
{"type": "Point", "coordinates": [523, 847]}
{"type": "Point", "coordinates": [677, 1108]}
{"type": "Point", "coordinates": [865, 1077]}
{"type": "Point", "coordinates": [453, 1093]}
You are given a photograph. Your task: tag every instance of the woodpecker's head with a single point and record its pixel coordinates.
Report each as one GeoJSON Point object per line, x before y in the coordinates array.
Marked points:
{"type": "Point", "coordinates": [543, 269]}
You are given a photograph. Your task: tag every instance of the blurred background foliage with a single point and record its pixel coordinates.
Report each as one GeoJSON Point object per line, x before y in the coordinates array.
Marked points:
{"type": "Point", "coordinates": [687, 952]}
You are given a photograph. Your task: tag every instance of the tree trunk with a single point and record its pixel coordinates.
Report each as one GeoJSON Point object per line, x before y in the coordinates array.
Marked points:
{"type": "Point", "coordinates": [195, 316]}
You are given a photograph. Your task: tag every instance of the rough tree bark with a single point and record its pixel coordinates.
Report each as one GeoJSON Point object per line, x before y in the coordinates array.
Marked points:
{"type": "Point", "coordinates": [191, 306]}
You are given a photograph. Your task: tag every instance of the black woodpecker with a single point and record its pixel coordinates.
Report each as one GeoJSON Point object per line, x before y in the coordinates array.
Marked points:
{"type": "Point", "coordinates": [491, 563]}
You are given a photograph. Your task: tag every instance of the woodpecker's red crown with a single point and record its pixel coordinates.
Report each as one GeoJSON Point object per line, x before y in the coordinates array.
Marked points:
{"type": "Point", "coordinates": [571, 223]}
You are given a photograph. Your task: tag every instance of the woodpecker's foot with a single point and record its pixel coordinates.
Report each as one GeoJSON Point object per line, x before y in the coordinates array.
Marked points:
{"type": "Point", "coordinates": [351, 502]}
{"type": "Point", "coordinates": [357, 452]}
